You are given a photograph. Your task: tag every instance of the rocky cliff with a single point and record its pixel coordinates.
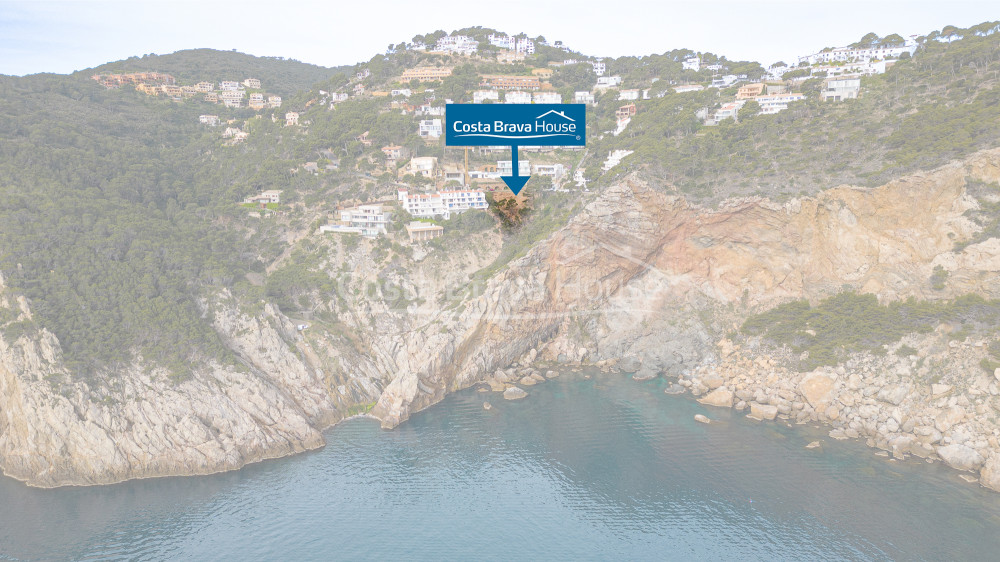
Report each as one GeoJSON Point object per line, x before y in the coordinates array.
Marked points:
{"type": "Point", "coordinates": [640, 277]}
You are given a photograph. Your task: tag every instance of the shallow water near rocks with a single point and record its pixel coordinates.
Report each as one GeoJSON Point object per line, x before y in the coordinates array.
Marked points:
{"type": "Point", "coordinates": [604, 467]}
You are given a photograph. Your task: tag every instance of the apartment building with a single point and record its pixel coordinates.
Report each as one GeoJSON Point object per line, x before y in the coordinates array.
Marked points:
{"type": "Point", "coordinates": [502, 82]}
{"type": "Point", "coordinates": [441, 204]}
{"type": "Point", "coordinates": [426, 73]}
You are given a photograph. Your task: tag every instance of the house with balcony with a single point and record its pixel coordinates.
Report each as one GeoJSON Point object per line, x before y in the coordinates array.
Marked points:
{"type": "Point", "coordinates": [554, 171]}
{"type": "Point", "coordinates": [210, 120]}
{"type": "Point", "coordinates": [369, 220]}
{"type": "Point", "coordinates": [503, 82]}
{"type": "Point", "coordinates": [423, 231]}
{"type": "Point", "coordinates": [394, 152]}
{"type": "Point", "coordinates": [776, 103]}
{"type": "Point", "coordinates": [605, 82]}
{"type": "Point", "coordinates": [547, 97]}
{"type": "Point", "coordinates": [599, 68]}
{"type": "Point", "coordinates": [628, 95]}
{"type": "Point", "coordinates": [517, 97]}
{"type": "Point", "coordinates": [625, 112]}
{"type": "Point", "coordinates": [430, 129]}
{"type": "Point", "coordinates": [482, 96]}
{"type": "Point", "coordinates": [291, 118]}
{"type": "Point", "coordinates": [264, 197]}
{"type": "Point", "coordinates": [750, 91]}
{"type": "Point", "coordinates": [274, 102]}
{"type": "Point", "coordinates": [506, 168]}
{"type": "Point", "coordinates": [458, 44]}
{"type": "Point", "coordinates": [841, 88]}
{"type": "Point", "coordinates": [252, 83]}
{"type": "Point", "coordinates": [426, 73]}
{"type": "Point", "coordinates": [441, 204]}
{"type": "Point", "coordinates": [584, 97]}
{"type": "Point", "coordinates": [425, 166]}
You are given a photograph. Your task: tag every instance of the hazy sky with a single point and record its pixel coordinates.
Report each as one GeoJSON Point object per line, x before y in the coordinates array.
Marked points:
{"type": "Point", "coordinates": [44, 36]}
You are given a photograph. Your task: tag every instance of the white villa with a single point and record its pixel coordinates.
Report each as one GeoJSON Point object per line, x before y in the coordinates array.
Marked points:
{"type": "Point", "coordinates": [368, 220]}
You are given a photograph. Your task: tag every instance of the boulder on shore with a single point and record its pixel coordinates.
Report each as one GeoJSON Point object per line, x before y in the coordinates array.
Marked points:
{"type": "Point", "coordinates": [514, 393]}
{"type": "Point", "coordinates": [960, 456]}
{"type": "Point", "coordinates": [721, 397]}
{"type": "Point", "coordinates": [701, 418]}
{"type": "Point", "coordinates": [989, 476]}
{"type": "Point", "coordinates": [817, 389]}
{"type": "Point", "coordinates": [763, 411]}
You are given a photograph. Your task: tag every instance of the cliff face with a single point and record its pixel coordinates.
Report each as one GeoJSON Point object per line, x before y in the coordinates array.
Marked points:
{"type": "Point", "coordinates": [639, 274]}
{"type": "Point", "coordinates": [628, 276]}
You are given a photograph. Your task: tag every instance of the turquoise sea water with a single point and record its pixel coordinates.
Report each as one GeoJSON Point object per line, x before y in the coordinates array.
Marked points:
{"type": "Point", "coordinates": [600, 468]}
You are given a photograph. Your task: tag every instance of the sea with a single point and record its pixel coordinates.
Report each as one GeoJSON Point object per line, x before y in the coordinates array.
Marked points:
{"type": "Point", "coordinates": [590, 466]}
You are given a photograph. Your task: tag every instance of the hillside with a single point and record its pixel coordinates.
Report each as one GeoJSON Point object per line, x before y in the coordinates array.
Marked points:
{"type": "Point", "coordinates": [282, 76]}
{"type": "Point", "coordinates": [135, 275]}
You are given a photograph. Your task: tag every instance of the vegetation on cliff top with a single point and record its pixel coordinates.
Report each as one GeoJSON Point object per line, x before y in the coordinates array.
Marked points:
{"type": "Point", "coordinates": [825, 334]}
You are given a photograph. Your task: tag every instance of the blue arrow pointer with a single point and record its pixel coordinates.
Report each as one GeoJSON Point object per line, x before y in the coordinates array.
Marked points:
{"type": "Point", "coordinates": [515, 182]}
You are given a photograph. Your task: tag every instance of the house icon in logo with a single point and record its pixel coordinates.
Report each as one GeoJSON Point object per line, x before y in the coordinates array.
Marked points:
{"type": "Point", "coordinates": [559, 113]}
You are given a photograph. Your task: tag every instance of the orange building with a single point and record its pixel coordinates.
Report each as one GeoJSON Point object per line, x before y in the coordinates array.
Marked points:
{"type": "Point", "coordinates": [499, 82]}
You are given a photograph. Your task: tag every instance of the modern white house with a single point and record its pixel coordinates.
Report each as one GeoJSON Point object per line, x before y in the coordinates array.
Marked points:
{"type": "Point", "coordinates": [229, 86]}
{"type": "Point", "coordinates": [368, 220]}
{"type": "Point", "coordinates": [430, 110]}
{"type": "Point", "coordinates": [405, 92]}
{"type": "Point", "coordinates": [691, 63]}
{"type": "Point", "coordinates": [724, 81]}
{"type": "Point", "coordinates": [506, 168]}
{"type": "Point", "coordinates": [524, 45]}
{"type": "Point", "coordinates": [599, 68]}
{"type": "Point", "coordinates": [459, 44]}
{"type": "Point", "coordinates": [776, 103]}
{"type": "Point", "coordinates": [517, 97]}
{"type": "Point", "coordinates": [210, 120]}
{"type": "Point", "coordinates": [583, 97]}
{"type": "Point", "coordinates": [274, 102]}
{"type": "Point", "coordinates": [839, 89]}
{"type": "Point", "coordinates": [554, 171]}
{"type": "Point", "coordinates": [628, 95]}
{"type": "Point", "coordinates": [442, 203]}
{"type": "Point", "coordinates": [481, 96]}
{"type": "Point", "coordinates": [608, 82]}
{"type": "Point", "coordinates": [684, 88]}
{"type": "Point", "coordinates": [430, 129]}
{"type": "Point", "coordinates": [264, 197]}
{"type": "Point", "coordinates": [547, 97]}
{"type": "Point", "coordinates": [728, 111]}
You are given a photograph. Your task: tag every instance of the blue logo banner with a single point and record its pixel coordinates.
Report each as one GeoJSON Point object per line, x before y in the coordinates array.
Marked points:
{"type": "Point", "coordinates": [543, 124]}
